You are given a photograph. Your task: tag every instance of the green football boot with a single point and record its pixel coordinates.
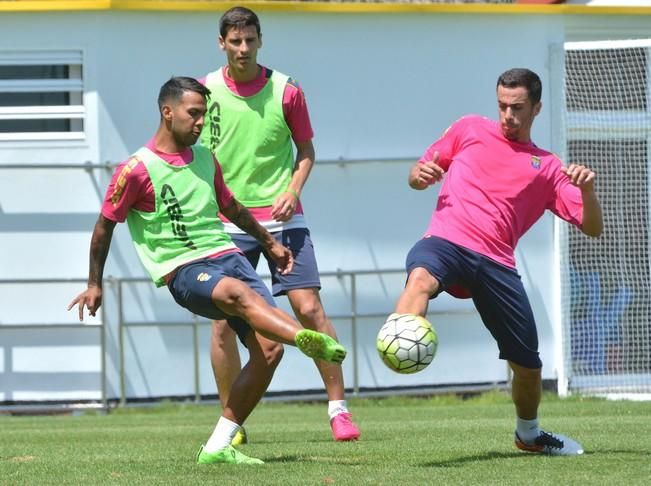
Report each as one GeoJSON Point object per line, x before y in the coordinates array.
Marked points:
{"type": "Point", "coordinates": [227, 455]}
{"type": "Point", "coordinates": [319, 346]}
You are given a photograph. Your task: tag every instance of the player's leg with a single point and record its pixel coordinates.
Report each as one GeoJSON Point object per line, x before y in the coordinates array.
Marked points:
{"type": "Point", "coordinates": [245, 393]}
{"type": "Point", "coordinates": [526, 390]}
{"type": "Point", "coordinates": [504, 307]}
{"type": "Point", "coordinates": [224, 354]}
{"type": "Point", "coordinates": [235, 298]}
{"type": "Point", "coordinates": [253, 380]}
{"type": "Point", "coordinates": [419, 289]}
{"type": "Point", "coordinates": [302, 288]}
{"type": "Point", "coordinates": [433, 264]}
{"type": "Point", "coordinates": [308, 309]}
{"type": "Point", "coordinates": [224, 357]}
{"type": "Point", "coordinates": [243, 295]}
{"type": "Point", "coordinates": [226, 365]}
{"type": "Point", "coordinates": [192, 287]}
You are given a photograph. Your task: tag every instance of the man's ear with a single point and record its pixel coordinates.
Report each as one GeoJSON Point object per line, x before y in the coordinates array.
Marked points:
{"type": "Point", "coordinates": [166, 112]}
{"type": "Point", "coordinates": [537, 108]}
{"type": "Point", "coordinates": [221, 43]}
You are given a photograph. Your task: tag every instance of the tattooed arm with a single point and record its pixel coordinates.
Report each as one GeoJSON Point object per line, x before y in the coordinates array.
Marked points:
{"type": "Point", "coordinates": [99, 248]}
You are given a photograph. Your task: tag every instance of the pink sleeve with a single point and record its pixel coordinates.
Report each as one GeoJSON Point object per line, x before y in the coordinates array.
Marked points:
{"type": "Point", "coordinates": [446, 146]}
{"type": "Point", "coordinates": [566, 201]}
{"type": "Point", "coordinates": [296, 114]}
{"type": "Point", "coordinates": [130, 187]}
{"type": "Point", "coordinates": [224, 195]}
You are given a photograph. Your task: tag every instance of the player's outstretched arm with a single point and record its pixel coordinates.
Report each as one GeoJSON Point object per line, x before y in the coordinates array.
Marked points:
{"type": "Point", "coordinates": [584, 179]}
{"type": "Point", "coordinates": [424, 174]}
{"type": "Point", "coordinates": [243, 219]}
{"type": "Point", "coordinates": [99, 248]}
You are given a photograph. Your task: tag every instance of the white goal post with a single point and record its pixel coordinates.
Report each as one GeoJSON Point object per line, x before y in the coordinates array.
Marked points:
{"type": "Point", "coordinates": [605, 283]}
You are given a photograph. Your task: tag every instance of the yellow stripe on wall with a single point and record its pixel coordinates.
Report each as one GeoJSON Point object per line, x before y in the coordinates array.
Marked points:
{"type": "Point", "coordinates": [317, 7]}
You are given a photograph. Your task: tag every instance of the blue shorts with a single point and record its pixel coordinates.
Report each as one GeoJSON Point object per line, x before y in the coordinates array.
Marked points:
{"type": "Point", "coordinates": [304, 275]}
{"type": "Point", "coordinates": [496, 290]}
{"type": "Point", "coordinates": [194, 282]}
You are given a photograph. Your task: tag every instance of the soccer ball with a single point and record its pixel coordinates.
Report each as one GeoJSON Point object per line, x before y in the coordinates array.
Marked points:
{"type": "Point", "coordinates": [407, 343]}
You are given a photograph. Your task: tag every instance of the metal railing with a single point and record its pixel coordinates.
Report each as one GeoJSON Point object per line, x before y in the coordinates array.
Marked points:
{"type": "Point", "coordinates": [108, 165]}
{"type": "Point", "coordinates": [66, 326]}
{"type": "Point", "coordinates": [195, 322]}
{"type": "Point", "coordinates": [354, 315]}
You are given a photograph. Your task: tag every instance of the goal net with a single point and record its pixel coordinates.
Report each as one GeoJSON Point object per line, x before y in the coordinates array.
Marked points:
{"type": "Point", "coordinates": [605, 282]}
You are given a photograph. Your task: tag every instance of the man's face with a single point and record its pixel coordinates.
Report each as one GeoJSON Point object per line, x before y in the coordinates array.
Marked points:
{"type": "Point", "coordinates": [186, 118]}
{"type": "Point", "coordinates": [241, 47]}
{"type": "Point", "coordinates": [516, 112]}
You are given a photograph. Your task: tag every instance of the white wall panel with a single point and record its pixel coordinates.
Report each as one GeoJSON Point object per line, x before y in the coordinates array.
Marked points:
{"type": "Point", "coordinates": [379, 87]}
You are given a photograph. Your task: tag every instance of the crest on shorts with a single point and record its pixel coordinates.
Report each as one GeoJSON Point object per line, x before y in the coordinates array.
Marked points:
{"type": "Point", "coordinates": [203, 277]}
{"type": "Point", "coordinates": [535, 162]}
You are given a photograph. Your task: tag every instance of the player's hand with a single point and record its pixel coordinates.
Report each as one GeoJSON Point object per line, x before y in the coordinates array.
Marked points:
{"type": "Point", "coordinates": [282, 256]}
{"type": "Point", "coordinates": [91, 298]}
{"type": "Point", "coordinates": [580, 176]}
{"type": "Point", "coordinates": [424, 174]}
{"type": "Point", "coordinates": [284, 206]}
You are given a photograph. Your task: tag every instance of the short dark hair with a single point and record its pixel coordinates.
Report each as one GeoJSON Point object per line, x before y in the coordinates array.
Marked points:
{"type": "Point", "coordinates": [522, 77]}
{"type": "Point", "coordinates": [238, 17]}
{"type": "Point", "coordinates": [174, 88]}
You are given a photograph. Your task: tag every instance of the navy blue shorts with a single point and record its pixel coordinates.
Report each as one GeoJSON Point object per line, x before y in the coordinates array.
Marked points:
{"type": "Point", "coordinates": [304, 275]}
{"type": "Point", "coordinates": [496, 290]}
{"type": "Point", "coordinates": [194, 282]}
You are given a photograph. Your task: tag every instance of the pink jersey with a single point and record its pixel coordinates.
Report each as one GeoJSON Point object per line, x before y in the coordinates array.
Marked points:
{"type": "Point", "coordinates": [494, 189]}
{"type": "Point", "coordinates": [130, 186]}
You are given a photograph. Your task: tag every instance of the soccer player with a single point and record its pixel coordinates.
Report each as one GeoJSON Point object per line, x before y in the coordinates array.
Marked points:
{"type": "Point", "coordinates": [170, 194]}
{"type": "Point", "coordinates": [256, 115]}
{"type": "Point", "coordinates": [496, 184]}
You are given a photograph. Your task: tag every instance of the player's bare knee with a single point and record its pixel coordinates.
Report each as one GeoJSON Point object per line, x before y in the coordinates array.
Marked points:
{"type": "Point", "coordinates": [220, 331]}
{"type": "Point", "coordinates": [524, 373]}
{"type": "Point", "coordinates": [421, 281]}
{"type": "Point", "coordinates": [311, 312]}
{"type": "Point", "coordinates": [235, 297]}
{"type": "Point", "coordinates": [268, 352]}
{"type": "Point", "coordinates": [227, 292]}
{"type": "Point", "coordinates": [274, 354]}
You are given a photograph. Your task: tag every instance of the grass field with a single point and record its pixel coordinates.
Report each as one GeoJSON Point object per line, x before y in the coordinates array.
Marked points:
{"type": "Point", "coordinates": [405, 441]}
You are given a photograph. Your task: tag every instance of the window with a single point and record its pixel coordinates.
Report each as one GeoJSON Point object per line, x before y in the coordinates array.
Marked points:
{"type": "Point", "coordinates": [41, 95]}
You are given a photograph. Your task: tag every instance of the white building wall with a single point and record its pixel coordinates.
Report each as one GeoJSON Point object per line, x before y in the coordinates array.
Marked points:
{"type": "Point", "coordinates": [380, 87]}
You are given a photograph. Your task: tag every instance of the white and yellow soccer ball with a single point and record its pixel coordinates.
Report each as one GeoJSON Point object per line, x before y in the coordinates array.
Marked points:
{"type": "Point", "coordinates": [407, 343]}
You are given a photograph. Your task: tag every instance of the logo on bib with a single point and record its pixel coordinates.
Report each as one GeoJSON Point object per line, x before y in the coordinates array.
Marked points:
{"type": "Point", "coordinates": [535, 162]}
{"type": "Point", "coordinates": [203, 277]}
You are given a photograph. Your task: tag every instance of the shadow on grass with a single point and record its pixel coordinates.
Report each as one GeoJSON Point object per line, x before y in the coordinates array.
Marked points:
{"type": "Point", "coordinates": [328, 440]}
{"type": "Point", "coordinates": [491, 456]}
{"type": "Point", "coordinates": [335, 460]}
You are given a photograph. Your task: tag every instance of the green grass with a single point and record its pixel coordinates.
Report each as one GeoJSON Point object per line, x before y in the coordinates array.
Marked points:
{"type": "Point", "coordinates": [441, 440]}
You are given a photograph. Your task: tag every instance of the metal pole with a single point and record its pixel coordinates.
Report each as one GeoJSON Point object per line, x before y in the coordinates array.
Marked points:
{"type": "Point", "coordinates": [87, 165]}
{"type": "Point", "coordinates": [353, 291]}
{"type": "Point", "coordinates": [102, 345]}
{"type": "Point", "coordinates": [123, 399]}
{"type": "Point", "coordinates": [195, 347]}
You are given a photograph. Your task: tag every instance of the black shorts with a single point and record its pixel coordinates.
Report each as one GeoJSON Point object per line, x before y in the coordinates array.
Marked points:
{"type": "Point", "coordinates": [304, 275]}
{"type": "Point", "coordinates": [496, 290]}
{"type": "Point", "coordinates": [194, 282]}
